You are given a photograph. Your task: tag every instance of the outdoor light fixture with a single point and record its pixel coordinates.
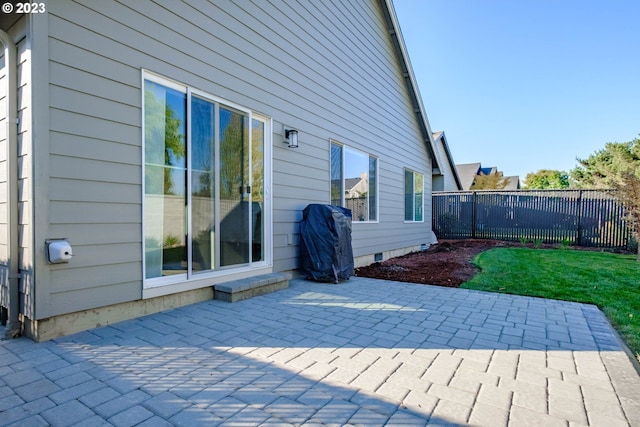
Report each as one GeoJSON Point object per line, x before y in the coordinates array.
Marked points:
{"type": "Point", "coordinates": [292, 137]}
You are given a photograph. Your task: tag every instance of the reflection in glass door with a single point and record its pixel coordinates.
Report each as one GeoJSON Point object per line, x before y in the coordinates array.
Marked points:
{"type": "Point", "coordinates": [165, 222]}
{"type": "Point", "coordinates": [203, 218]}
{"type": "Point", "coordinates": [241, 188]}
{"type": "Point", "coordinates": [204, 183]}
{"type": "Point", "coordinates": [257, 217]}
{"type": "Point", "coordinates": [235, 188]}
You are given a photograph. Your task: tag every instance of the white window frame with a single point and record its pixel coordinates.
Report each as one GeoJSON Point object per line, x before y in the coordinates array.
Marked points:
{"type": "Point", "coordinates": [413, 195]}
{"type": "Point", "coordinates": [199, 278]}
{"type": "Point", "coordinates": [342, 175]}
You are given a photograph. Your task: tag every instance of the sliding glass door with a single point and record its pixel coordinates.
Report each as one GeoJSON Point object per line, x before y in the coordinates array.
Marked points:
{"type": "Point", "coordinates": [204, 183]}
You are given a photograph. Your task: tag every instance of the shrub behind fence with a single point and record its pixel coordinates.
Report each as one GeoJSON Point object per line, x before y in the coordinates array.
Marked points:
{"type": "Point", "coordinates": [578, 217]}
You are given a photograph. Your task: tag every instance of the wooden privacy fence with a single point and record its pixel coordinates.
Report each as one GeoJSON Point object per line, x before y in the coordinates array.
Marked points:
{"type": "Point", "coordinates": [577, 217]}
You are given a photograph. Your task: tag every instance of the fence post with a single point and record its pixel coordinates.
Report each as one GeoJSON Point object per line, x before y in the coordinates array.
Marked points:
{"type": "Point", "coordinates": [579, 237]}
{"type": "Point", "coordinates": [474, 201]}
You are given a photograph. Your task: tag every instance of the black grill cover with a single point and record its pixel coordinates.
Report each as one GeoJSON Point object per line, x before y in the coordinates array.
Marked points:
{"type": "Point", "coordinates": [325, 246]}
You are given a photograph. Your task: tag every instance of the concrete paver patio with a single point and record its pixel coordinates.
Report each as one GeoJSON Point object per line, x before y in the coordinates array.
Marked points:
{"type": "Point", "coordinates": [364, 352]}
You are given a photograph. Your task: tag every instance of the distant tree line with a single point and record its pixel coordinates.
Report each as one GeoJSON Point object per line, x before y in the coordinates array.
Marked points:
{"type": "Point", "coordinates": [616, 166]}
{"type": "Point", "coordinates": [546, 179]}
{"type": "Point", "coordinates": [494, 181]}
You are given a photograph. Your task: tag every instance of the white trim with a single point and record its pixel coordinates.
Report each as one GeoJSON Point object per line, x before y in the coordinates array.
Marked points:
{"type": "Point", "coordinates": [177, 280]}
{"type": "Point", "coordinates": [156, 78]}
{"type": "Point", "coordinates": [190, 280]}
{"type": "Point", "coordinates": [142, 176]}
{"type": "Point", "coordinates": [203, 282]}
{"type": "Point", "coordinates": [218, 100]}
{"type": "Point", "coordinates": [12, 209]}
{"type": "Point", "coordinates": [216, 188]}
{"type": "Point", "coordinates": [342, 173]}
{"type": "Point", "coordinates": [188, 195]}
{"type": "Point", "coordinates": [267, 173]}
{"type": "Point", "coordinates": [249, 130]}
{"type": "Point", "coordinates": [268, 194]}
{"type": "Point", "coordinates": [413, 194]}
{"type": "Point", "coordinates": [171, 84]}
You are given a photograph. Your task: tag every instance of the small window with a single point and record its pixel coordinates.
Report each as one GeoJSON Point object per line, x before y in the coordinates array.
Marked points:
{"type": "Point", "coordinates": [413, 196]}
{"type": "Point", "coordinates": [354, 178]}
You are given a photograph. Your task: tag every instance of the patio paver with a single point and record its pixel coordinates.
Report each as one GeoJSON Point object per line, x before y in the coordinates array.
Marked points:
{"type": "Point", "coordinates": [363, 352]}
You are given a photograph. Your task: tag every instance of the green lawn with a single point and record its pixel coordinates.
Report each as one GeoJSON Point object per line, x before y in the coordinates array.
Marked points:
{"type": "Point", "coordinates": [610, 281]}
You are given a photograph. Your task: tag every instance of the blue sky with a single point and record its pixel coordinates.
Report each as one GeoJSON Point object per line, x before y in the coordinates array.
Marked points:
{"type": "Point", "coordinates": [526, 84]}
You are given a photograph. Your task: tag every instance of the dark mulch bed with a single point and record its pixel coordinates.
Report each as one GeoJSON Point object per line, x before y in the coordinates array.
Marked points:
{"type": "Point", "coordinates": [447, 263]}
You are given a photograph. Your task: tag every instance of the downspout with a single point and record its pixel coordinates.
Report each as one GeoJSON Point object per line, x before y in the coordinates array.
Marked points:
{"type": "Point", "coordinates": [14, 326]}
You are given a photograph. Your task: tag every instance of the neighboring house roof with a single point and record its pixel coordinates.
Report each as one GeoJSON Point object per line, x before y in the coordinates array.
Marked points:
{"type": "Point", "coordinates": [407, 71]}
{"type": "Point", "coordinates": [356, 187]}
{"type": "Point", "coordinates": [349, 183]}
{"type": "Point", "coordinates": [440, 140]}
{"type": "Point", "coordinates": [467, 173]}
{"type": "Point", "coordinates": [489, 171]}
{"type": "Point", "coordinates": [514, 182]}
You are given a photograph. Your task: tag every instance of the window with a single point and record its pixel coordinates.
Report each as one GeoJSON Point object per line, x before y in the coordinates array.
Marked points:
{"type": "Point", "coordinates": [204, 183]}
{"type": "Point", "coordinates": [354, 182]}
{"type": "Point", "coordinates": [413, 198]}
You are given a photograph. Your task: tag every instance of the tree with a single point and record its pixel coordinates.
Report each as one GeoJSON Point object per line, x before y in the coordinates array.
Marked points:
{"type": "Point", "coordinates": [494, 181]}
{"type": "Point", "coordinates": [546, 179]}
{"type": "Point", "coordinates": [616, 166]}
{"type": "Point", "coordinates": [164, 139]}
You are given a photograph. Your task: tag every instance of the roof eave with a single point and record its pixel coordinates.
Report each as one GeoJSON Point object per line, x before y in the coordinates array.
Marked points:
{"type": "Point", "coordinates": [401, 50]}
{"type": "Point", "coordinates": [452, 164]}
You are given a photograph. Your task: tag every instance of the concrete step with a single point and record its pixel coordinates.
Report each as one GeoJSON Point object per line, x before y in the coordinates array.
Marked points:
{"type": "Point", "coordinates": [241, 289]}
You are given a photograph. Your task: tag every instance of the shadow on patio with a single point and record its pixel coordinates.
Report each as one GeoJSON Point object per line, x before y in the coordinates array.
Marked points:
{"type": "Point", "coordinates": [364, 352]}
